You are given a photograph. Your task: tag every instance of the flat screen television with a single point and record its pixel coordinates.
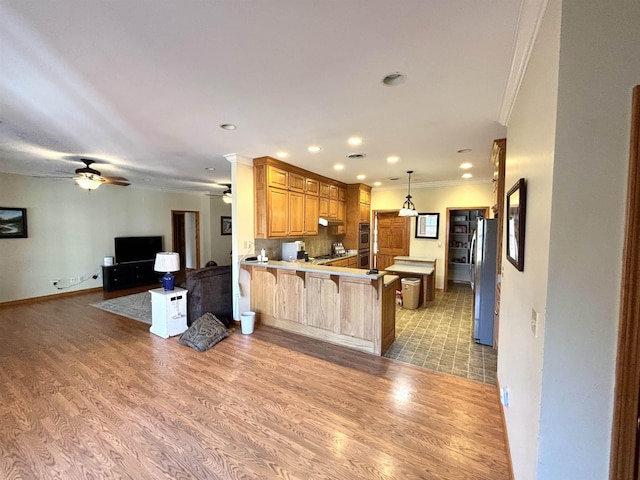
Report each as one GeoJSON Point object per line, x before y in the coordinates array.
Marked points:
{"type": "Point", "coordinates": [135, 249]}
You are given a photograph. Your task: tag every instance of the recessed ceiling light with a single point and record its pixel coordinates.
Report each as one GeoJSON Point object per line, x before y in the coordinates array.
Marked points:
{"type": "Point", "coordinates": [338, 166]}
{"type": "Point", "coordinates": [466, 175]}
{"type": "Point", "coordinates": [393, 179]}
{"type": "Point", "coordinates": [282, 154]}
{"type": "Point", "coordinates": [377, 184]}
{"type": "Point", "coordinates": [464, 150]}
{"type": "Point", "coordinates": [211, 169]}
{"type": "Point", "coordinates": [393, 159]}
{"type": "Point", "coordinates": [466, 166]}
{"type": "Point", "coordinates": [361, 177]}
{"type": "Point", "coordinates": [228, 126]}
{"type": "Point", "coordinates": [355, 141]}
{"type": "Point", "coordinates": [356, 155]}
{"type": "Point", "coordinates": [314, 149]}
{"type": "Point", "coordinates": [394, 79]}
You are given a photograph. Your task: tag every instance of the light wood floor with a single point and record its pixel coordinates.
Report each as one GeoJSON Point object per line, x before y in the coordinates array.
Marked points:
{"type": "Point", "coordinates": [88, 394]}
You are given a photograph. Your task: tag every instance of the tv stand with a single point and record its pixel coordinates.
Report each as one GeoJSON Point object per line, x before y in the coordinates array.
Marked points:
{"type": "Point", "coordinates": [127, 275]}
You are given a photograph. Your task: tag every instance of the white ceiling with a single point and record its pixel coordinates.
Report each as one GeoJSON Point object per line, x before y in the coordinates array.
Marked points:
{"type": "Point", "coordinates": [143, 85]}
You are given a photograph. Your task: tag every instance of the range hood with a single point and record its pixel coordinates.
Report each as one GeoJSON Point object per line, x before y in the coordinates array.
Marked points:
{"type": "Point", "coordinates": [329, 221]}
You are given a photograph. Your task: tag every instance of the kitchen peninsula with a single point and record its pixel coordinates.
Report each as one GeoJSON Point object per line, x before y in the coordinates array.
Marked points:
{"type": "Point", "coordinates": [344, 306]}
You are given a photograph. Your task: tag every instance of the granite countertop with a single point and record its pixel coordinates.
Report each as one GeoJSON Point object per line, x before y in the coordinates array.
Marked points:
{"type": "Point", "coordinates": [318, 268]}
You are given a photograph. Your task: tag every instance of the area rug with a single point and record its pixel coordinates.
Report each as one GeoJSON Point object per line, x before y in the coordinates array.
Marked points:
{"type": "Point", "coordinates": [136, 306]}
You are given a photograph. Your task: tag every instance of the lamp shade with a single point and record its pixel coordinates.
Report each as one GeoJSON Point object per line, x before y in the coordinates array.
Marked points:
{"type": "Point", "coordinates": [167, 262]}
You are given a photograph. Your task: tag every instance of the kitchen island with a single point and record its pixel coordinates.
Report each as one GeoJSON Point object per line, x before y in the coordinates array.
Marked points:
{"type": "Point", "coordinates": [344, 306]}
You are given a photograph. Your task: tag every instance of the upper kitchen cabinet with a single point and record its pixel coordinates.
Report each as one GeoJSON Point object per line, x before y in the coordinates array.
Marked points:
{"type": "Point", "coordinates": [358, 211]}
{"type": "Point", "coordinates": [288, 200]}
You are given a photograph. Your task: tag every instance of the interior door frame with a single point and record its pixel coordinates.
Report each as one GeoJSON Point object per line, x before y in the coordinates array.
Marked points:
{"type": "Point", "coordinates": [446, 250]}
{"type": "Point", "coordinates": [175, 214]}
{"type": "Point", "coordinates": [625, 441]}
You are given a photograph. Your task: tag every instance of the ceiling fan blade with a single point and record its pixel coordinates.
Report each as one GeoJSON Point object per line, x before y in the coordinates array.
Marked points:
{"type": "Point", "coordinates": [113, 181]}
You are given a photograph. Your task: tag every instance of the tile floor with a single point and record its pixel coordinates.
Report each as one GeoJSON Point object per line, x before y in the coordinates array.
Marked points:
{"type": "Point", "coordinates": [438, 337]}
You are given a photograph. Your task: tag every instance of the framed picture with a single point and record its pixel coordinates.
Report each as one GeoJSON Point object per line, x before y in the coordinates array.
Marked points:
{"type": "Point", "coordinates": [225, 226]}
{"type": "Point", "coordinates": [13, 222]}
{"type": "Point", "coordinates": [427, 225]}
{"type": "Point", "coordinates": [516, 214]}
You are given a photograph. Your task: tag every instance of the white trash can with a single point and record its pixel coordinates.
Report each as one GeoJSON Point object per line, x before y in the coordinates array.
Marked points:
{"type": "Point", "coordinates": [247, 321]}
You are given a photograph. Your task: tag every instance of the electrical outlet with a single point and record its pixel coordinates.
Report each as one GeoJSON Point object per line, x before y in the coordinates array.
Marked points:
{"type": "Point", "coordinates": [534, 322]}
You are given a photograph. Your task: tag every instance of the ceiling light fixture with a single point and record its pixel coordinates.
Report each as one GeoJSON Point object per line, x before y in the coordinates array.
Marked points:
{"type": "Point", "coordinates": [355, 141]}
{"type": "Point", "coordinates": [282, 154]}
{"type": "Point", "coordinates": [314, 149]}
{"type": "Point", "coordinates": [408, 208]}
{"type": "Point", "coordinates": [466, 166]}
{"type": "Point", "coordinates": [393, 159]}
{"type": "Point", "coordinates": [338, 166]}
{"type": "Point", "coordinates": [226, 196]}
{"type": "Point", "coordinates": [377, 184]}
{"type": "Point", "coordinates": [466, 175]}
{"type": "Point", "coordinates": [88, 182]}
{"type": "Point", "coordinates": [356, 155]}
{"type": "Point", "coordinates": [361, 177]}
{"type": "Point", "coordinates": [464, 150]}
{"type": "Point", "coordinates": [228, 126]}
{"type": "Point", "coordinates": [394, 79]}
{"type": "Point", "coordinates": [211, 169]}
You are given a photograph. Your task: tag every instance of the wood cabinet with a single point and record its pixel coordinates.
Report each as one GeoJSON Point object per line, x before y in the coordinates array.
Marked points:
{"type": "Point", "coordinates": [289, 200]}
{"type": "Point", "coordinates": [296, 214]}
{"type": "Point", "coordinates": [127, 275]}
{"type": "Point", "coordinates": [498, 160]}
{"type": "Point", "coordinates": [351, 308]}
{"type": "Point", "coordinates": [350, 262]}
{"type": "Point", "coordinates": [358, 211]}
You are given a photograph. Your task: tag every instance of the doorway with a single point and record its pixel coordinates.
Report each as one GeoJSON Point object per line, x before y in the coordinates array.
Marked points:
{"type": "Point", "coordinates": [185, 234]}
{"type": "Point", "coordinates": [390, 237]}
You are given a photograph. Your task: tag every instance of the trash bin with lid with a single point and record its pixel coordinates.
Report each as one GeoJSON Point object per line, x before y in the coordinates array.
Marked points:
{"type": "Point", "coordinates": [410, 292]}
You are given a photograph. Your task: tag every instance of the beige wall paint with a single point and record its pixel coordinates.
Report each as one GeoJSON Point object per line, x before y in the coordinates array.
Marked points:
{"type": "Point", "coordinates": [221, 245]}
{"type": "Point", "coordinates": [530, 151]}
{"type": "Point", "coordinates": [434, 200]}
{"type": "Point", "coordinates": [71, 230]}
{"type": "Point", "coordinates": [569, 136]}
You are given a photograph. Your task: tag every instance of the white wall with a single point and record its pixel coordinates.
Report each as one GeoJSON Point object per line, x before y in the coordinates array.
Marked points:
{"type": "Point", "coordinates": [571, 120]}
{"type": "Point", "coordinates": [71, 230]}
{"type": "Point", "coordinates": [530, 153]}
{"type": "Point", "coordinates": [434, 200]}
{"type": "Point", "coordinates": [599, 65]}
{"type": "Point", "coordinates": [221, 245]}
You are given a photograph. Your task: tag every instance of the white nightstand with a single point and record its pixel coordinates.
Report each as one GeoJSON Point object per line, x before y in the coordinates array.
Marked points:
{"type": "Point", "coordinates": [168, 312]}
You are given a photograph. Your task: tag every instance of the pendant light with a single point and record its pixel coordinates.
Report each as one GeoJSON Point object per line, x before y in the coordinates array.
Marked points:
{"type": "Point", "coordinates": [408, 208]}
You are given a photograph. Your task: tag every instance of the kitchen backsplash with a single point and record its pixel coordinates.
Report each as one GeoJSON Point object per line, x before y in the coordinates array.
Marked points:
{"type": "Point", "coordinates": [317, 245]}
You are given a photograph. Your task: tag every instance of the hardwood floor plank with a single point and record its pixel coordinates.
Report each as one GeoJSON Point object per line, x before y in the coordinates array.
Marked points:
{"type": "Point", "coordinates": [89, 394]}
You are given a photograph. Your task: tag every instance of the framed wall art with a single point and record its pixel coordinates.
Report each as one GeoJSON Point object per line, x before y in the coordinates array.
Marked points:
{"type": "Point", "coordinates": [427, 225]}
{"type": "Point", "coordinates": [13, 222]}
{"type": "Point", "coordinates": [516, 214]}
{"type": "Point", "coordinates": [225, 226]}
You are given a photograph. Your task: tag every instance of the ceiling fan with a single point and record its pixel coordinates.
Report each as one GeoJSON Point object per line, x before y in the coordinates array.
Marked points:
{"type": "Point", "coordinates": [90, 178]}
{"type": "Point", "coordinates": [227, 196]}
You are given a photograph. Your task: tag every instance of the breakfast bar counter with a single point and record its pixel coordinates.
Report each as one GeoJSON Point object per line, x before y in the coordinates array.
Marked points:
{"type": "Point", "coordinates": [344, 306]}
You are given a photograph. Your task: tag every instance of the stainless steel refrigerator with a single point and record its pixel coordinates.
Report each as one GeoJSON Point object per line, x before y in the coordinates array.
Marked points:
{"type": "Point", "coordinates": [483, 279]}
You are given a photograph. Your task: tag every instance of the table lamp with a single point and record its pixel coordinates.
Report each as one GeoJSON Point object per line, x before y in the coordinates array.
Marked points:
{"type": "Point", "coordinates": [167, 262]}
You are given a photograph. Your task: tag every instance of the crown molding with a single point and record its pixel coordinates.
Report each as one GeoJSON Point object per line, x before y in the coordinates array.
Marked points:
{"type": "Point", "coordinates": [529, 20]}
